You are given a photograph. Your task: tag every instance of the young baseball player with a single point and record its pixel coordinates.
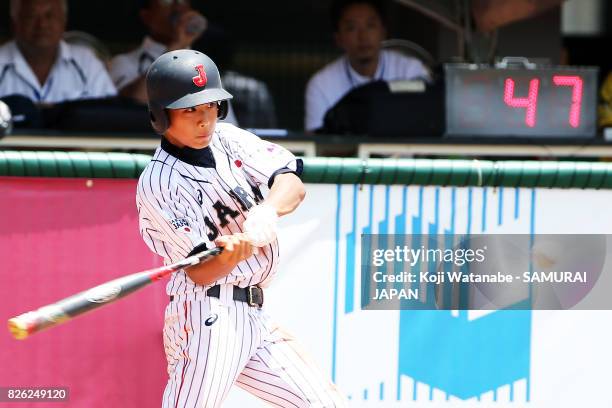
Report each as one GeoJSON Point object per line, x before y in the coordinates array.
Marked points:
{"type": "Point", "coordinates": [200, 190]}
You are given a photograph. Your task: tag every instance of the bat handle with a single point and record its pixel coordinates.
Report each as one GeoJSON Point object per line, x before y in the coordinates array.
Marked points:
{"type": "Point", "coordinates": [195, 259]}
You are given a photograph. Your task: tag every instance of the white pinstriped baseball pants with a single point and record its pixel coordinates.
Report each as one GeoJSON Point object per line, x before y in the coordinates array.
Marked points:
{"type": "Point", "coordinates": [212, 344]}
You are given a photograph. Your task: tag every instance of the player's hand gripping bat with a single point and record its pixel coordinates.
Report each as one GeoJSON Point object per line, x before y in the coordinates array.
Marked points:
{"type": "Point", "coordinates": [61, 311]}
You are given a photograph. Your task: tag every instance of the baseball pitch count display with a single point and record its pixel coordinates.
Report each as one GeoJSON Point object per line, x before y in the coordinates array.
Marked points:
{"type": "Point", "coordinates": [521, 100]}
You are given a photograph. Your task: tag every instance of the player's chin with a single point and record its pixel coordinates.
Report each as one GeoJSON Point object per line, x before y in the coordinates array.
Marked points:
{"type": "Point", "coordinates": [200, 141]}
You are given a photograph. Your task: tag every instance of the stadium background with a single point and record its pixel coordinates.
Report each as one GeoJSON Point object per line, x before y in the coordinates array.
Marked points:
{"type": "Point", "coordinates": [285, 42]}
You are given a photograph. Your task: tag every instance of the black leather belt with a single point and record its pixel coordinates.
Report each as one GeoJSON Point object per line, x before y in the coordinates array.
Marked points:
{"type": "Point", "coordinates": [252, 295]}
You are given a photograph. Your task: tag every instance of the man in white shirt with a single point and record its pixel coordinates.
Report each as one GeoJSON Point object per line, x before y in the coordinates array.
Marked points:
{"type": "Point", "coordinates": [40, 66]}
{"type": "Point", "coordinates": [172, 25]}
{"type": "Point", "coordinates": [359, 31]}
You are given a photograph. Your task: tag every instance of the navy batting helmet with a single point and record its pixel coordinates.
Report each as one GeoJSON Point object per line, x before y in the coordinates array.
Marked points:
{"type": "Point", "coordinates": [182, 79]}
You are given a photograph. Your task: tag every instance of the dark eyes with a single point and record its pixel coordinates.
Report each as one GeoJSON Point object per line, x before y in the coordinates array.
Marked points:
{"type": "Point", "coordinates": [208, 105]}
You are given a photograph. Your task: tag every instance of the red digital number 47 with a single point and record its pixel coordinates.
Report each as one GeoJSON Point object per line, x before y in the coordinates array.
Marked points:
{"type": "Point", "coordinates": [530, 102]}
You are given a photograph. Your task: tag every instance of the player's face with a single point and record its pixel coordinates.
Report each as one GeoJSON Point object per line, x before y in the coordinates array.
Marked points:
{"type": "Point", "coordinates": [40, 24]}
{"type": "Point", "coordinates": [360, 32]}
{"type": "Point", "coordinates": [192, 127]}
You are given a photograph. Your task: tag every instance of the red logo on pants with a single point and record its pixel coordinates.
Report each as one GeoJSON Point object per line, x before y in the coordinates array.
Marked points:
{"type": "Point", "coordinates": [200, 79]}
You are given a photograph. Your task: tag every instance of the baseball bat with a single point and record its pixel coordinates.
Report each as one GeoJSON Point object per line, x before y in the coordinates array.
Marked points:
{"type": "Point", "coordinates": [66, 309]}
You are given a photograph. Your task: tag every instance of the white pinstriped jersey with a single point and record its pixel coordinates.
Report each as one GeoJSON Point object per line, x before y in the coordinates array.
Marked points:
{"type": "Point", "coordinates": [187, 197]}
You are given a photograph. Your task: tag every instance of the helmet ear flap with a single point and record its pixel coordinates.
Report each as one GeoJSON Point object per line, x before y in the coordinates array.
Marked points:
{"type": "Point", "coordinates": [222, 109]}
{"type": "Point", "coordinates": [159, 119]}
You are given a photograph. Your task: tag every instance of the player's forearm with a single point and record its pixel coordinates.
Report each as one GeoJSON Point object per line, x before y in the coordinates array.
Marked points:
{"type": "Point", "coordinates": [286, 194]}
{"type": "Point", "coordinates": [209, 272]}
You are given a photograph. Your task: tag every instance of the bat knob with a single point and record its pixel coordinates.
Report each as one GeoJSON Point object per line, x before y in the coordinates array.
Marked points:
{"type": "Point", "coordinates": [18, 328]}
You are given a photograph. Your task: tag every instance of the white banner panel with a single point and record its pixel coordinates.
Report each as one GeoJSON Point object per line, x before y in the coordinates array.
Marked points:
{"type": "Point", "coordinates": [437, 358]}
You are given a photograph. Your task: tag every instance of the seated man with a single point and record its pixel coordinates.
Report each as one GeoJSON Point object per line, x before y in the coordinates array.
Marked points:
{"type": "Point", "coordinates": [359, 30]}
{"type": "Point", "coordinates": [39, 65]}
{"type": "Point", "coordinates": [172, 25]}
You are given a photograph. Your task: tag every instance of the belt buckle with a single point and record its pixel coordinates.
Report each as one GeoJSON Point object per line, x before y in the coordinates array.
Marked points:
{"type": "Point", "coordinates": [255, 296]}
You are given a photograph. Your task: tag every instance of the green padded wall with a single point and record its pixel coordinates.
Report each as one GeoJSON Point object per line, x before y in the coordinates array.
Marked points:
{"type": "Point", "coordinates": [592, 175]}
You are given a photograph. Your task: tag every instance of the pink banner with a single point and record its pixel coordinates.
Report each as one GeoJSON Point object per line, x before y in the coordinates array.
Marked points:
{"type": "Point", "coordinates": [59, 237]}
